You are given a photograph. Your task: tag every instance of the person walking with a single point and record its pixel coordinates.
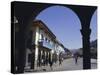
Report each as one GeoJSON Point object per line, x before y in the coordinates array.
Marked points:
{"type": "Point", "coordinates": [76, 57]}
{"type": "Point", "coordinates": [50, 62]}
{"type": "Point", "coordinates": [60, 59]}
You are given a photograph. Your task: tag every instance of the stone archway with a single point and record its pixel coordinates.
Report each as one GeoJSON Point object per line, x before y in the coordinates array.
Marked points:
{"type": "Point", "coordinates": [62, 24]}
{"type": "Point", "coordinates": [26, 13]}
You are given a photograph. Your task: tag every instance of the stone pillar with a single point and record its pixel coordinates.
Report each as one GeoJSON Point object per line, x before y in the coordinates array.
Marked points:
{"type": "Point", "coordinates": [41, 56]}
{"type": "Point", "coordinates": [36, 46]}
{"type": "Point", "coordinates": [45, 58]}
{"type": "Point", "coordinates": [32, 59]}
{"type": "Point", "coordinates": [21, 48]}
{"type": "Point", "coordinates": [86, 31]}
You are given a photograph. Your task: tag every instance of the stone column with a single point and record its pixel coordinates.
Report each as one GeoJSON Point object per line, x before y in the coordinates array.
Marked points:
{"type": "Point", "coordinates": [21, 47]}
{"type": "Point", "coordinates": [41, 56]}
{"type": "Point", "coordinates": [32, 60]}
{"type": "Point", "coordinates": [86, 31]}
{"type": "Point", "coordinates": [36, 46]}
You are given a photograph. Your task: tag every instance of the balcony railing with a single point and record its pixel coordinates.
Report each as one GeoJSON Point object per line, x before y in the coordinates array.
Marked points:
{"type": "Point", "coordinates": [46, 44]}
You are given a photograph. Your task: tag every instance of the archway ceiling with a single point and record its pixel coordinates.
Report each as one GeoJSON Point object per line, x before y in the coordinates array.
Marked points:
{"type": "Point", "coordinates": [26, 11]}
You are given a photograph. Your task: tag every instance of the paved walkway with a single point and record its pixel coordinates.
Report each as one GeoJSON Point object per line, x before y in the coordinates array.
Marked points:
{"type": "Point", "coordinates": [68, 64]}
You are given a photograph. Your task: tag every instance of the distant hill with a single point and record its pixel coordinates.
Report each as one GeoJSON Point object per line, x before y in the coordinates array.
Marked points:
{"type": "Point", "coordinates": [93, 47]}
{"type": "Point", "coordinates": [74, 51]}
{"type": "Point", "coordinates": [93, 44]}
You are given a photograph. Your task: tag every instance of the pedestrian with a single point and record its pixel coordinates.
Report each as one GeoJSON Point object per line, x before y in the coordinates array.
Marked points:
{"type": "Point", "coordinates": [50, 62]}
{"type": "Point", "coordinates": [60, 61]}
{"type": "Point", "coordinates": [76, 57]}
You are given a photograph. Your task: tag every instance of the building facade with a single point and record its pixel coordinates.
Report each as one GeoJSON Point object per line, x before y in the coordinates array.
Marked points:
{"type": "Point", "coordinates": [42, 46]}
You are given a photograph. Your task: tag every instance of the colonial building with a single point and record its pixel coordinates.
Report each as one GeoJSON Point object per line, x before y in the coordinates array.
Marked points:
{"type": "Point", "coordinates": [42, 46]}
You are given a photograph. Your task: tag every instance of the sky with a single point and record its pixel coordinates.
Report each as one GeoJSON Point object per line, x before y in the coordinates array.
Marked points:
{"type": "Point", "coordinates": [93, 26]}
{"type": "Point", "coordinates": [65, 24]}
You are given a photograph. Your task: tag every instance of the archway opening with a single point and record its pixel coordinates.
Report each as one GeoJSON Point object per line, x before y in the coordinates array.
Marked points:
{"type": "Point", "coordinates": [93, 40]}
{"type": "Point", "coordinates": [65, 25]}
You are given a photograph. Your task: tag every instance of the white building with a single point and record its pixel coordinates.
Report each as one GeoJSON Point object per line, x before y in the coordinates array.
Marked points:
{"type": "Point", "coordinates": [43, 45]}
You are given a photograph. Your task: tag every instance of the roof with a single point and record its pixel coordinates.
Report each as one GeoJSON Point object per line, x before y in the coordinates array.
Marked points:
{"type": "Point", "coordinates": [44, 27]}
